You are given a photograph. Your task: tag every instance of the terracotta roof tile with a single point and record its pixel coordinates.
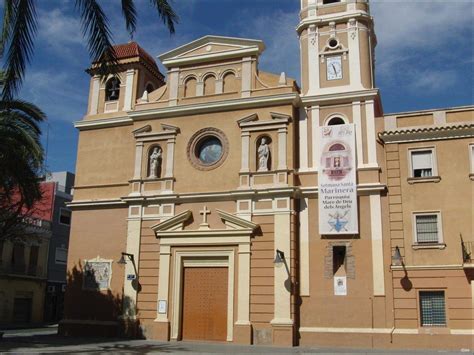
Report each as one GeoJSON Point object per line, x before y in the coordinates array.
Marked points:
{"type": "Point", "coordinates": [132, 49]}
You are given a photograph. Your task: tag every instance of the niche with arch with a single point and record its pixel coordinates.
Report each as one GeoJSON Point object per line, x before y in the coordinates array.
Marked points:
{"type": "Point", "coordinates": [112, 89]}
{"type": "Point", "coordinates": [209, 84]}
{"type": "Point", "coordinates": [190, 87]}
{"type": "Point", "coordinates": [150, 88]}
{"type": "Point", "coordinates": [334, 121]}
{"type": "Point", "coordinates": [263, 153]}
{"type": "Point", "coordinates": [229, 83]}
{"type": "Point", "coordinates": [154, 162]}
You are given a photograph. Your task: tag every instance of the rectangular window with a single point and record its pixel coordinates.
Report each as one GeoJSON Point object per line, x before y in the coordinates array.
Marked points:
{"type": "Point", "coordinates": [1, 251]}
{"type": "Point", "coordinates": [422, 163]}
{"type": "Point", "coordinates": [65, 216]}
{"type": "Point", "coordinates": [61, 256]}
{"type": "Point", "coordinates": [432, 309]}
{"type": "Point", "coordinates": [33, 263]}
{"type": "Point", "coordinates": [427, 228]}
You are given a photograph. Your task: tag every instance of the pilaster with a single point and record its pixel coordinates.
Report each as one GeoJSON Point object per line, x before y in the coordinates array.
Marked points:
{"type": "Point", "coordinates": [128, 101]}
{"type": "Point", "coordinates": [94, 104]}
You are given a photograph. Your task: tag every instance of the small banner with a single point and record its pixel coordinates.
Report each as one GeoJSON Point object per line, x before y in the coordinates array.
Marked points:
{"type": "Point", "coordinates": [337, 181]}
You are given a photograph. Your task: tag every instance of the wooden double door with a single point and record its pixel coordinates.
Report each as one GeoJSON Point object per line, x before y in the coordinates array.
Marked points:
{"type": "Point", "coordinates": [204, 315]}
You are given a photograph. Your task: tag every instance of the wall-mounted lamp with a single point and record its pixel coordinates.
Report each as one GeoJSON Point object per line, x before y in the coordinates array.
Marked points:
{"type": "Point", "coordinates": [397, 258]}
{"type": "Point", "coordinates": [122, 260]}
{"type": "Point", "coordinates": [279, 257]}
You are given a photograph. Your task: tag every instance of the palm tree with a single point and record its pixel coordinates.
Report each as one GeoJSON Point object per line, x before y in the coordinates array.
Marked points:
{"type": "Point", "coordinates": [21, 155]}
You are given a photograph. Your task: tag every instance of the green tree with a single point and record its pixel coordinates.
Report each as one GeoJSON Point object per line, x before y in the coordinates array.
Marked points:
{"type": "Point", "coordinates": [21, 153]}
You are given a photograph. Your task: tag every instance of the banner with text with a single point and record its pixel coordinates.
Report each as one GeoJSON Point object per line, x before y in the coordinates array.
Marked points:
{"type": "Point", "coordinates": [337, 180]}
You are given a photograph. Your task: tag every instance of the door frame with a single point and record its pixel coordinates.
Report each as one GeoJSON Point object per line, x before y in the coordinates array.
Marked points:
{"type": "Point", "coordinates": [201, 258]}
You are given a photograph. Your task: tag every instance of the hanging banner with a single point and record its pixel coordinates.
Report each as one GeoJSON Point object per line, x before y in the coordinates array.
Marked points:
{"type": "Point", "coordinates": [337, 180]}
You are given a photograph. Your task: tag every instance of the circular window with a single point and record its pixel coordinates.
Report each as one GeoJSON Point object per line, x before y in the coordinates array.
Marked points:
{"type": "Point", "coordinates": [207, 148]}
{"type": "Point", "coordinates": [333, 43]}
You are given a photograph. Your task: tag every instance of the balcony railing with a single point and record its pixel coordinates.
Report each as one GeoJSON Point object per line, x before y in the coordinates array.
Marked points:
{"type": "Point", "coordinates": [467, 248]}
{"type": "Point", "coordinates": [23, 270]}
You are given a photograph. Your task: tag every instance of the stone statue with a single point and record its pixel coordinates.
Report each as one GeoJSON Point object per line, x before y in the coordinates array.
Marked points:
{"type": "Point", "coordinates": [155, 162]}
{"type": "Point", "coordinates": [263, 155]}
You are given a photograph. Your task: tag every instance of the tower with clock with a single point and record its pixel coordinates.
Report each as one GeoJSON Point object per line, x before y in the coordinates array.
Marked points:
{"type": "Point", "coordinates": [337, 42]}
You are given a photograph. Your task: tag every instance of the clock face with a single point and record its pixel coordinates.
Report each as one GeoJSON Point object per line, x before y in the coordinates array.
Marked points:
{"type": "Point", "coordinates": [334, 68]}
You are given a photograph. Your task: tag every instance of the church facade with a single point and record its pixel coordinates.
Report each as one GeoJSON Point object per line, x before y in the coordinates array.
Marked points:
{"type": "Point", "coordinates": [246, 209]}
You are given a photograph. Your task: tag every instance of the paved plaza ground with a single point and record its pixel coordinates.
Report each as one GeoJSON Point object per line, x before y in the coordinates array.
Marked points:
{"type": "Point", "coordinates": [45, 340]}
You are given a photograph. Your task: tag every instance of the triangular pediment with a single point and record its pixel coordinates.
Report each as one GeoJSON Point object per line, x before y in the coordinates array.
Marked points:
{"type": "Point", "coordinates": [175, 226]}
{"type": "Point", "coordinates": [212, 48]}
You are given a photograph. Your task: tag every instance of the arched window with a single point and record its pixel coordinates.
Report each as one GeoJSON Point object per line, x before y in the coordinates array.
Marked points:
{"type": "Point", "coordinates": [112, 89]}
{"type": "Point", "coordinates": [210, 85]}
{"type": "Point", "coordinates": [335, 121]}
{"type": "Point", "coordinates": [190, 87]}
{"type": "Point", "coordinates": [150, 88]}
{"type": "Point", "coordinates": [230, 84]}
{"type": "Point", "coordinates": [264, 156]}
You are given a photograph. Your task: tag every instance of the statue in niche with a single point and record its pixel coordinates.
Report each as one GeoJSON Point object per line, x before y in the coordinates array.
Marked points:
{"type": "Point", "coordinates": [263, 155]}
{"type": "Point", "coordinates": [155, 163]}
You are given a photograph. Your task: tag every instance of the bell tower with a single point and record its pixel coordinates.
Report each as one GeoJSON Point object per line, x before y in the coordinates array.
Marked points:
{"type": "Point", "coordinates": [337, 46]}
{"type": "Point", "coordinates": [337, 43]}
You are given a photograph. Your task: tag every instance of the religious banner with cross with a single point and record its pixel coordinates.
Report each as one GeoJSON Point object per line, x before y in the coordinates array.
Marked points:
{"type": "Point", "coordinates": [337, 194]}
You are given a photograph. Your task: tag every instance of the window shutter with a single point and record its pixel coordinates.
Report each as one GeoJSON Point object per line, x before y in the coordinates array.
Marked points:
{"type": "Point", "coordinates": [422, 160]}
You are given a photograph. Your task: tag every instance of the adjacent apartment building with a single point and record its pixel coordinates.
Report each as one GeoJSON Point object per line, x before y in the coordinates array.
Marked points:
{"type": "Point", "coordinates": [33, 265]}
{"type": "Point", "coordinates": [247, 209]}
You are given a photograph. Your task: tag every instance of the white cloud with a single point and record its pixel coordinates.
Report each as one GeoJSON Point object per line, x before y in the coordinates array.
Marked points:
{"type": "Point", "coordinates": [277, 30]}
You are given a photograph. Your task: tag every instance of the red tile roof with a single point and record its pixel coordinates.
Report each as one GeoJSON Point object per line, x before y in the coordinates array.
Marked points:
{"type": "Point", "coordinates": [132, 49]}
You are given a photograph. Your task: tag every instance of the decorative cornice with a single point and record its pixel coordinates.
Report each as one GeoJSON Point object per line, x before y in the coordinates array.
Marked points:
{"type": "Point", "coordinates": [103, 123]}
{"type": "Point", "coordinates": [333, 97]}
{"type": "Point", "coordinates": [205, 107]}
{"type": "Point", "coordinates": [234, 222]}
{"type": "Point", "coordinates": [428, 133]}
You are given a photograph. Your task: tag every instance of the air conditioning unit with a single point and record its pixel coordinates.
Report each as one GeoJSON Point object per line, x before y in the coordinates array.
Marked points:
{"type": "Point", "coordinates": [63, 288]}
{"type": "Point", "coordinates": [51, 289]}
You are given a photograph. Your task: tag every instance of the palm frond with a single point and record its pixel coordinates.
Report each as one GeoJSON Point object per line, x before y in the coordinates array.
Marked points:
{"type": "Point", "coordinates": [166, 13]}
{"type": "Point", "coordinates": [8, 13]}
{"type": "Point", "coordinates": [21, 29]}
{"type": "Point", "coordinates": [95, 26]}
{"type": "Point", "coordinates": [129, 12]}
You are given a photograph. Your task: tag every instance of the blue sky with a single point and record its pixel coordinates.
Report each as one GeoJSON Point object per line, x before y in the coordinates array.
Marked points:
{"type": "Point", "coordinates": [424, 57]}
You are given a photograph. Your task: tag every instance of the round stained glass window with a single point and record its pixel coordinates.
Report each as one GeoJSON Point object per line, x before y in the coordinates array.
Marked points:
{"type": "Point", "coordinates": [209, 150]}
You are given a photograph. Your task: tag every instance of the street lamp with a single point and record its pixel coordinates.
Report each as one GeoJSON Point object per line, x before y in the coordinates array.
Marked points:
{"type": "Point", "coordinates": [279, 257]}
{"type": "Point", "coordinates": [122, 260]}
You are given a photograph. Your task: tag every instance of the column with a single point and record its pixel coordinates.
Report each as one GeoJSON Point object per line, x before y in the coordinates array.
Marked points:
{"type": "Point", "coordinates": [219, 86]}
{"type": "Point", "coordinates": [173, 76]}
{"type": "Point", "coordinates": [130, 286]}
{"type": "Point", "coordinates": [245, 152]}
{"type": "Point", "coordinates": [313, 60]}
{"type": "Point", "coordinates": [377, 245]}
{"type": "Point", "coordinates": [303, 139]}
{"type": "Point", "coordinates": [138, 160]}
{"type": "Point", "coordinates": [162, 321]}
{"type": "Point", "coordinates": [356, 115]}
{"type": "Point", "coordinates": [94, 97]}
{"type": "Point", "coordinates": [315, 135]}
{"type": "Point", "coordinates": [129, 76]}
{"type": "Point", "coordinates": [170, 157]}
{"type": "Point", "coordinates": [282, 323]}
{"type": "Point", "coordinates": [246, 76]}
{"type": "Point", "coordinates": [304, 247]}
{"type": "Point", "coordinates": [354, 55]}
{"type": "Point", "coordinates": [243, 330]}
{"type": "Point", "coordinates": [199, 88]}
{"type": "Point", "coordinates": [371, 138]}
{"type": "Point", "coordinates": [282, 132]}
